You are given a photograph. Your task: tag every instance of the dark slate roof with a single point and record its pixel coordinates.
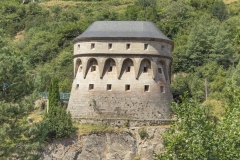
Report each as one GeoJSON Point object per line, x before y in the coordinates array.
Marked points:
{"type": "Point", "coordinates": [122, 29]}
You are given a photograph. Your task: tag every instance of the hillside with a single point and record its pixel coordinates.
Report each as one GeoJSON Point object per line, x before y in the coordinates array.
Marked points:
{"type": "Point", "coordinates": [36, 45]}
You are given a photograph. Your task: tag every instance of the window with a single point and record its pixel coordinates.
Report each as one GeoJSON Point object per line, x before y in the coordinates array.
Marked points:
{"type": "Point", "coordinates": [78, 46]}
{"type": "Point", "coordinates": [145, 69]}
{"type": "Point", "coordinates": [128, 69]}
{"type": "Point", "coordinates": [162, 89]}
{"type": "Point", "coordinates": [91, 87]}
{"type": "Point", "coordinates": [127, 87]}
{"type": "Point", "coordinates": [146, 88]}
{"type": "Point", "coordinates": [110, 46]}
{"type": "Point", "coordinates": [128, 46]}
{"type": "Point", "coordinates": [92, 45]}
{"type": "Point", "coordinates": [109, 87]}
{"type": "Point", "coordinates": [145, 46]}
{"type": "Point", "coordinates": [93, 68]}
{"type": "Point", "coordinates": [160, 70]}
{"type": "Point", "coordinates": [110, 69]}
{"type": "Point", "coordinates": [77, 86]}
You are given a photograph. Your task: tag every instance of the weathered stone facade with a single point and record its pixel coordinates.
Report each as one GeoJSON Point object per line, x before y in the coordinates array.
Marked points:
{"type": "Point", "coordinates": [120, 72]}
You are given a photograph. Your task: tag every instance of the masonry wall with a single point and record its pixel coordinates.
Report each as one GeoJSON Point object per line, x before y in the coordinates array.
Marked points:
{"type": "Point", "coordinates": [140, 85]}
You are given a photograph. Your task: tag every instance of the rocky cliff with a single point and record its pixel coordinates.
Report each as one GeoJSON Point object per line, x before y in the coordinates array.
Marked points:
{"type": "Point", "coordinates": [124, 145]}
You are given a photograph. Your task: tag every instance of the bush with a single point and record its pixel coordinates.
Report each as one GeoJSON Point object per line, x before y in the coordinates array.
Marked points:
{"type": "Point", "coordinates": [142, 133]}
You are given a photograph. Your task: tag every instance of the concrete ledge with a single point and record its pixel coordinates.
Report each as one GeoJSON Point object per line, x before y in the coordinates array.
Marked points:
{"type": "Point", "coordinates": [117, 122]}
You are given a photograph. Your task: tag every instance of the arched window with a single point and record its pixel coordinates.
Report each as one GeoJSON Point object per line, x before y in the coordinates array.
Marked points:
{"type": "Point", "coordinates": [109, 66]}
{"type": "Point", "coordinates": [78, 66]}
{"type": "Point", "coordinates": [127, 66]}
{"type": "Point", "coordinates": [92, 64]}
{"type": "Point", "coordinates": [145, 67]}
{"type": "Point", "coordinates": [162, 68]}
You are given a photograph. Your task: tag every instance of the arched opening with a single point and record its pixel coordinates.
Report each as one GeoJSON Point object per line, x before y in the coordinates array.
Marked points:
{"type": "Point", "coordinates": [127, 67]}
{"type": "Point", "coordinates": [162, 70]}
{"type": "Point", "coordinates": [145, 67]}
{"type": "Point", "coordinates": [78, 66]}
{"type": "Point", "coordinates": [92, 65]}
{"type": "Point", "coordinates": [109, 66]}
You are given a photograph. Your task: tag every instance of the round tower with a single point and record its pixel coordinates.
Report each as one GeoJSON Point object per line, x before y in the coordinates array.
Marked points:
{"type": "Point", "coordinates": [122, 70]}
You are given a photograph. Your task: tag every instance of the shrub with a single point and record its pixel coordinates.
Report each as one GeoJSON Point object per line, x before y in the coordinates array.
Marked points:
{"type": "Point", "coordinates": [142, 133]}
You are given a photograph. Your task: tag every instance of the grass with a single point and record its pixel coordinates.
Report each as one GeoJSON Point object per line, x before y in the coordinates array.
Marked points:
{"type": "Point", "coordinates": [37, 115]}
{"type": "Point", "coordinates": [229, 1]}
{"type": "Point", "coordinates": [88, 128]}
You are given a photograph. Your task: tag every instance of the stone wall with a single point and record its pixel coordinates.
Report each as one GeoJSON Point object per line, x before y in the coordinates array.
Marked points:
{"type": "Point", "coordinates": [116, 81]}
{"type": "Point", "coordinates": [117, 122]}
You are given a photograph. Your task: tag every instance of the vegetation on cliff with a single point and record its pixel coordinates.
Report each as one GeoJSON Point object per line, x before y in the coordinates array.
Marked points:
{"type": "Point", "coordinates": [35, 45]}
{"type": "Point", "coordinates": [59, 122]}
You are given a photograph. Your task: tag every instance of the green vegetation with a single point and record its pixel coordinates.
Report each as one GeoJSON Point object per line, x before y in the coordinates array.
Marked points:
{"type": "Point", "coordinates": [142, 133]}
{"type": "Point", "coordinates": [35, 46]}
{"type": "Point", "coordinates": [88, 128]}
{"type": "Point", "coordinates": [59, 122]}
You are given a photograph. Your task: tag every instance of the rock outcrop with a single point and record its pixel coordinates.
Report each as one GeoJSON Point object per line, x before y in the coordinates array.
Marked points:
{"type": "Point", "coordinates": [125, 145]}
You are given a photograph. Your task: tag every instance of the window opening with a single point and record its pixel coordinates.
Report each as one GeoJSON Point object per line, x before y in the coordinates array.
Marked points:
{"type": "Point", "coordinates": [109, 87]}
{"type": "Point", "coordinates": [110, 69]}
{"type": "Point", "coordinates": [91, 86]}
{"type": "Point", "coordinates": [145, 46]}
{"type": "Point", "coordinates": [145, 69]}
{"type": "Point", "coordinates": [78, 46]}
{"type": "Point", "coordinates": [146, 88]}
{"type": "Point", "coordinates": [92, 45]}
{"type": "Point", "coordinates": [77, 86]}
{"type": "Point", "coordinates": [127, 87]}
{"type": "Point", "coordinates": [160, 70]}
{"type": "Point", "coordinates": [128, 46]}
{"type": "Point", "coordinates": [128, 69]}
{"type": "Point", "coordinates": [110, 46]}
{"type": "Point", "coordinates": [162, 89]}
{"type": "Point", "coordinates": [93, 68]}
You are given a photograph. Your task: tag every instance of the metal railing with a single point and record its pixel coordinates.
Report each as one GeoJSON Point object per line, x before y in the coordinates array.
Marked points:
{"type": "Point", "coordinates": [63, 96]}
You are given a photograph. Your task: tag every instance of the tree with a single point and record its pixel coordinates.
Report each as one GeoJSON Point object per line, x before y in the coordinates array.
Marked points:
{"type": "Point", "coordinates": [18, 138]}
{"type": "Point", "coordinates": [219, 10]}
{"type": "Point", "coordinates": [58, 120]}
{"type": "Point", "coordinates": [14, 81]}
{"type": "Point", "coordinates": [190, 137]}
{"type": "Point", "coordinates": [146, 3]}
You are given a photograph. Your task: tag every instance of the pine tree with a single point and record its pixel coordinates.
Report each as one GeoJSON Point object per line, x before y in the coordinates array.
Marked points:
{"type": "Point", "coordinates": [59, 121]}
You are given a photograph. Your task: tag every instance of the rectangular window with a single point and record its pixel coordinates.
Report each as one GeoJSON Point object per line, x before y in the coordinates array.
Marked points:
{"type": "Point", "coordinates": [93, 68]}
{"type": "Point", "coordinates": [128, 46]}
{"type": "Point", "coordinates": [91, 87]}
{"type": "Point", "coordinates": [160, 70]}
{"type": "Point", "coordinates": [77, 86]}
{"type": "Point", "coordinates": [110, 69]}
{"type": "Point", "coordinates": [127, 87]}
{"type": "Point", "coordinates": [145, 46]}
{"type": "Point", "coordinates": [145, 69]}
{"type": "Point", "coordinates": [78, 46]}
{"type": "Point", "coordinates": [146, 88]}
{"type": "Point", "coordinates": [128, 69]}
{"type": "Point", "coordinates": [162, 90]}
{"type": "Point", "coordinates": [109, 87]}
{"type": "Point", "coordinates": [92, 45]}
{"type": "Point", "coordinates": [110, 46]}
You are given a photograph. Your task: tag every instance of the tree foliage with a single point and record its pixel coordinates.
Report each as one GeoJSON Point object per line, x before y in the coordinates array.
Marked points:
{"type": "Point", "coordinates": [195, 134]}
{"type": "Point", "coordinates": [58, 120]}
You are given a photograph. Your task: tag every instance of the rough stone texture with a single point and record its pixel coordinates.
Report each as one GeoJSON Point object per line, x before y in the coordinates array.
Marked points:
{"type": "Point", "coordinates": [108, 146]}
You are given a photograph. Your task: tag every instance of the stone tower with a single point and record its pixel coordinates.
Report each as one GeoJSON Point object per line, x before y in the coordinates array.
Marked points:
{"type": "Point", "coordinates": [122, 70]}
